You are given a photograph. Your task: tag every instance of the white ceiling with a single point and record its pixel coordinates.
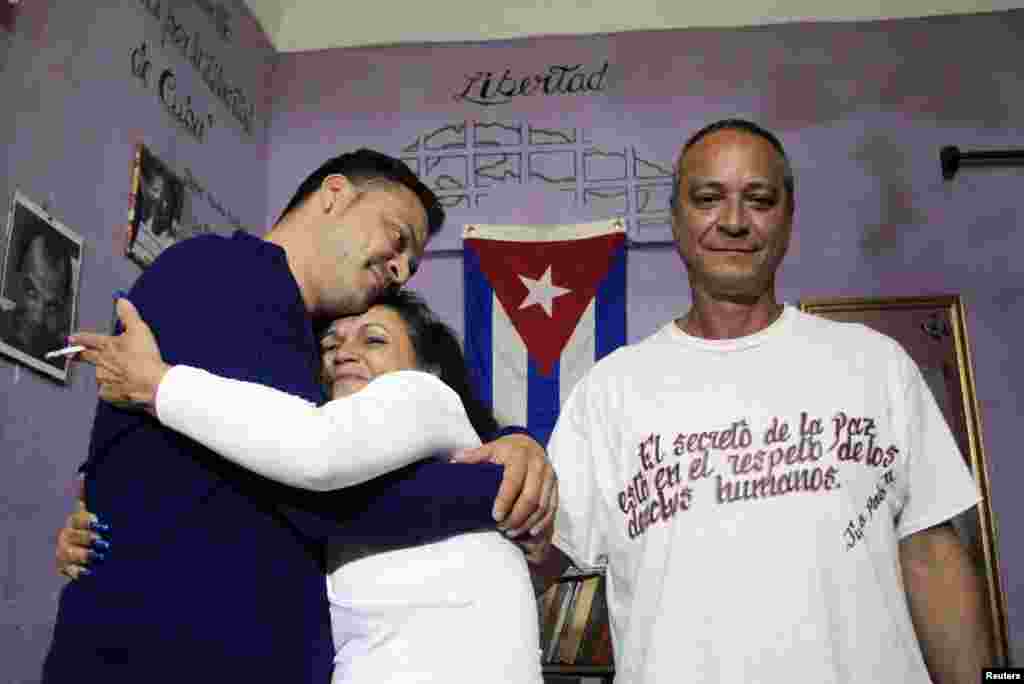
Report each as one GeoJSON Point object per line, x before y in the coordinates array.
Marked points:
{"type": "Point", "coordinates": [299, 25]}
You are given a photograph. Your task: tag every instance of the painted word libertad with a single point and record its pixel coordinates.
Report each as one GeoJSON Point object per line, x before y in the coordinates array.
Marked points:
{"type": "Point", "coordinates": [487, 88]}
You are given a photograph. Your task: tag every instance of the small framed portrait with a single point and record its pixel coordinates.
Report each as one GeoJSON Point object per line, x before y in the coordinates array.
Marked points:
{"type": "Point", "coordinates": [155, 208]}
{"type": "Point", "coordinates": [39, 287]}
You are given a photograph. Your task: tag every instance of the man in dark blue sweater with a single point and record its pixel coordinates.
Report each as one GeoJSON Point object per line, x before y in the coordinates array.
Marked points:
{"type": "Point", "coordinates": [218, 574]}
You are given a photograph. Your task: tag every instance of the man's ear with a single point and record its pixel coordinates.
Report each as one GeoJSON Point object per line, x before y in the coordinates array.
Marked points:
{"type": "Point", "coordinates": [335, 193]}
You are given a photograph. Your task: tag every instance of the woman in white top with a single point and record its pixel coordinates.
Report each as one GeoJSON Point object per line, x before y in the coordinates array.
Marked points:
{"type": "Point", "coordinates": [458, 610]}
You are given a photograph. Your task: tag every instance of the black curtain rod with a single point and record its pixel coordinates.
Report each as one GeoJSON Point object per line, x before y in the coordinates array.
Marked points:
{"type": "Point", "coordinates": [951, 159]}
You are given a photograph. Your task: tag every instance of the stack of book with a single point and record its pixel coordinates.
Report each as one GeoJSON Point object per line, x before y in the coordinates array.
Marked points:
{"type": "Point", "coordinates": [573, 617]}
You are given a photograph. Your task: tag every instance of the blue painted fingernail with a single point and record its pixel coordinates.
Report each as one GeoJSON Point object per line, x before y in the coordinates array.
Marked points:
{"type": "Point", "coordinates": [84, 571]}
{"type": "Point", "coordinates": [97, 557]}
{"type": "Point", "coordinates": [99, 527]}
{"type": "Point", "coordinates": [101, 545]}
{"type": "Point", "coordinates": [120, 294]}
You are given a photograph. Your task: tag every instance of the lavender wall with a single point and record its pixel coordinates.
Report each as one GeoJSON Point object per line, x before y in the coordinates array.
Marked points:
{"type": "Point", "coordinates": [70, 114]}
{"type": "Point", "coordinates": [862, 107]}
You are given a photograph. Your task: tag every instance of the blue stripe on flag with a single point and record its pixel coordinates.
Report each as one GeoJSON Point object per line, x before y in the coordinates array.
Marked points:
{"type": "Point", "coordinates": [542, 402]}
{"type": "Point", "coordinates": [610, 308]}
{"type": "Point", "coordinates": [479, 304]}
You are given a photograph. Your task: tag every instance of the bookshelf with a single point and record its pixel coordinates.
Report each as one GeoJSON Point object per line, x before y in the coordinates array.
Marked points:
{"type": "Point", "coordinates": [575, 633]}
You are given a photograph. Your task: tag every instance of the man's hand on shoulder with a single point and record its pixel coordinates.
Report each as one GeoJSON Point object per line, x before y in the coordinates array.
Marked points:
{"type": "Point", "coordinates": [528, 496]}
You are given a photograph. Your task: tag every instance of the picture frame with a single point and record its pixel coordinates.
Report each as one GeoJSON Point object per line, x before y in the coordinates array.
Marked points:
{"type": "Point", "coordinates": [933, 331]}
{"type": "Point", "coordinates": [155, 208]}
{"type": "Point", "coordinates": [39, 287]}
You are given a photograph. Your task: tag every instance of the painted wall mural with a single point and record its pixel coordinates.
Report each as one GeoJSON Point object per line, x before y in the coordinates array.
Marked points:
{"type": "Point", "coordinates": [469, 162]}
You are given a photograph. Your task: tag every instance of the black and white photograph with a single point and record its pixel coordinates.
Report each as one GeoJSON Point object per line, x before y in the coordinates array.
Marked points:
{"type": "Point", "coordinates": [156, 208]}
{"type": "Point", "coordinates": [39, 290]}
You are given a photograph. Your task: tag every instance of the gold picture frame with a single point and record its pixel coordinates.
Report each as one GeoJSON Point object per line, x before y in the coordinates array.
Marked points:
{"type": "Point", "coordinates": [933, 331]}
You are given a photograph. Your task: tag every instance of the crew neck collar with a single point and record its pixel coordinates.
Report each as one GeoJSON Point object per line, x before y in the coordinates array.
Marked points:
{"type": "Point", "coordinates": [776, 328]}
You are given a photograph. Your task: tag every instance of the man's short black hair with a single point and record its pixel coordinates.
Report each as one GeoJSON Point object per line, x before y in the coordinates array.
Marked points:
{"type": "Point", "coordinates": [746, 126]}
{"type": "Point", "coordinates": [367, 165]}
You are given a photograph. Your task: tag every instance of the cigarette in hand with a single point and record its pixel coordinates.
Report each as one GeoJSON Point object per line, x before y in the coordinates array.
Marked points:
{"type": "Point", "coordinates": [66, 351]}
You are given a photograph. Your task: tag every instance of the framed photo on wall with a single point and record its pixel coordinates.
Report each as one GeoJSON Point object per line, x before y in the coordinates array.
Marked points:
{"type": "Point", "coordinates": [933, 331]}
{"type": "Point", "coordinates": [39, 287]}
{"type": "Point", "coordinates": [155, 208]}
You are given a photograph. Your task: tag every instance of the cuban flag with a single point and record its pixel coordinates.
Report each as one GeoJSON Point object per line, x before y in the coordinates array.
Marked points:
{"type": "Point", "coordinates": [543, 304]}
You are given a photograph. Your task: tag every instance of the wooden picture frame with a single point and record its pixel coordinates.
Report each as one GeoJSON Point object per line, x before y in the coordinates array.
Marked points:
{"type": "Point", "coordinates": [933, 331]}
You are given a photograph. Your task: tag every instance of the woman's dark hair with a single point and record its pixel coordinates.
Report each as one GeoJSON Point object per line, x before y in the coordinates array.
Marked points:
{"type": "Point", "coordinates": [438, 351]}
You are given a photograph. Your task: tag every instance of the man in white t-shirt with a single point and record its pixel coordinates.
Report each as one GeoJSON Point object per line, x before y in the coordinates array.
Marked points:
{"type": "Point", "coordinates": [771, 491]}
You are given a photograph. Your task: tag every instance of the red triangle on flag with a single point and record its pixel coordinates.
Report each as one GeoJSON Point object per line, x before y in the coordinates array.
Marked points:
{"type": "Point", "coordinates": [565, 275]}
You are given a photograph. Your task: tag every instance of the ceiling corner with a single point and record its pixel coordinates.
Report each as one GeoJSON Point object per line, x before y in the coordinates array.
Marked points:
{"type": "Point", "coordinates": [270, 15]}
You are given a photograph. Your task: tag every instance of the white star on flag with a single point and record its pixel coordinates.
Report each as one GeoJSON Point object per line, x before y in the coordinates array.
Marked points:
{"type": "Point", "coordinates": [542, 292]}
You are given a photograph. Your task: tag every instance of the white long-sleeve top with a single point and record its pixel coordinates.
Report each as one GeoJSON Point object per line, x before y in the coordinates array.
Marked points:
{"type": "Point", "coordinates": [397, 419]}
{"type": "Point", "coordinates": [458, 611]}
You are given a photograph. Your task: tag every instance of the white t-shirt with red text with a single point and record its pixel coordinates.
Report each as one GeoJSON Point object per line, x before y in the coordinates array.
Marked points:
{"type": "Point", "coordinates": [749, 495]}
